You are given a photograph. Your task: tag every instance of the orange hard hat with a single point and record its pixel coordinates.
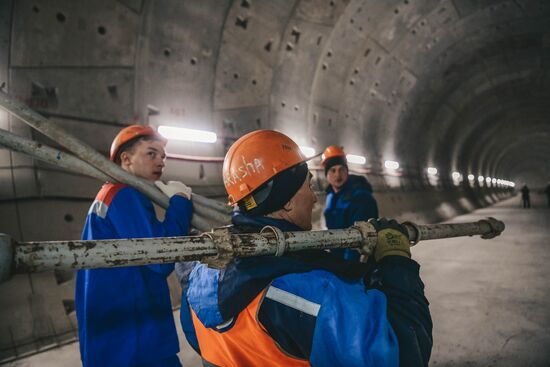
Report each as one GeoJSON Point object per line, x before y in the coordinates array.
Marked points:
{"type": "Point", "coordinates": [331, 152]}
{"type": "Point", "coordinates": [254, 159]}
{"type": "Point", "coordinates": [132, 132]}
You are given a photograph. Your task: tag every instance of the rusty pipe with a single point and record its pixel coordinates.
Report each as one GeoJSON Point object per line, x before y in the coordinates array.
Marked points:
{"type": "Point", "coordinates": [215, 248]}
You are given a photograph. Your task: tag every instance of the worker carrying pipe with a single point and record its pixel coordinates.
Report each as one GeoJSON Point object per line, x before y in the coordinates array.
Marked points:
{"type": "Point", "coordinates": [124, 314]}
{"type": "Point", "coordinates": [308, 307]}
{"type": "Point", "coordinates": [349, 197]}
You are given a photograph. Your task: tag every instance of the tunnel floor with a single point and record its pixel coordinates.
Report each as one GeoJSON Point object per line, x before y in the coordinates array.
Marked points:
{"type": "Point", "coordinates": [490, 299]}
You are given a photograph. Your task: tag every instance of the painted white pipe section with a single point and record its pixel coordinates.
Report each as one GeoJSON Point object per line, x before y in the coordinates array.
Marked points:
{"type": "Point", "coordinates": [215, 248]}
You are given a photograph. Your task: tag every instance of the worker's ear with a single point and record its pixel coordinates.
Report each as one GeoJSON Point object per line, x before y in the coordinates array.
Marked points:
{"type": "Point", "coordinates": [289, 205]}
{"type": "Point", "coordinates": [125, 158]}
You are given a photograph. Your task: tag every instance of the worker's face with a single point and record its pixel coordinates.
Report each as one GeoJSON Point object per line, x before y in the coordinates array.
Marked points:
{"type": "Point", "coordinates": [300, 207]}
{"type": "Point", "coordinates": [337, 176]}
{"type": "Point", "coordinates": [145, 159]}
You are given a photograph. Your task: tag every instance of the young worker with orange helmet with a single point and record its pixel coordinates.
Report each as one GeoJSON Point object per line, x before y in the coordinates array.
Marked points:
{"type": "Point", "coordinates": [349, 197]}
{"type": "Point", "coordinates": [124, 314]}
{"type": "Point", "coordinates": [302, 308]}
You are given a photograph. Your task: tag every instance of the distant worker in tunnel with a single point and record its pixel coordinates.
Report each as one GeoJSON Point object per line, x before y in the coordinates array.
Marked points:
{"type": "Point", "coordinates": [302, 308]}
{"type": "Point", "coordinates": [124, 314]}
{"type": "Point", "coordinates": [547, 192]}
{"type": "Point", "coordinates": [349, 197]}
{"type": "Point", "coordinates": [525, 197]}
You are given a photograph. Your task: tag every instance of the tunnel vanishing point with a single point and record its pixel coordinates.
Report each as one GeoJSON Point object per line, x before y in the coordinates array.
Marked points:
{"type": "Point", "coordinates": [445, 102]}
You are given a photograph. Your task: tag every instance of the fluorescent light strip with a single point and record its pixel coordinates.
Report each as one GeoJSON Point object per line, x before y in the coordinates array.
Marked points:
{"type": "Point", "coordinates": [308, 151]}
{"type": "Point", "coordinates": [432, 171]}
{"type": "Point", "coordinates": [356, 159]}
{"type": "Point", "coordinates": [391, 164]}
{"type": "Point", "coordinates": [181, 133]}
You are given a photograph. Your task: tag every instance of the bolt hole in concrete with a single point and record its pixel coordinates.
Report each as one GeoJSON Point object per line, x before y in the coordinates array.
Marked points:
{"type": "Point", "coordinates": [36, 9]}
{"type": "Point", "coordinates": [194, 61]}
{"type": "Point", "coordinates": [296, 34]}
{"type": "Point", "coordinates": [113, 90]}
{"type": "Point", "coordinates": [241, 22]}
{"type": "Point", "coordinates": [68, 218]}
{"type": "Point", "coordinates": [201, 172]}
{"type": "Point", "coordinates": [254, 82]}
{"type": "Point", "coordinates": [101, 30]}
{"type": "Point", "coordinates": [167, 52]}
{"type": "Point", "coordinates": [60, 17]}
{"type": "Point", "coordinates": [268, 45]}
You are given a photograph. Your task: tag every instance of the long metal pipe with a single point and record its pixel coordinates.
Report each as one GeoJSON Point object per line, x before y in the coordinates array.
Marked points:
{"type": "Point", "coordinates": [215, 248]}
{"type": "Point", "coordinates": [89, 155]}
{"type": "Point", "coordinates": [49, 155]}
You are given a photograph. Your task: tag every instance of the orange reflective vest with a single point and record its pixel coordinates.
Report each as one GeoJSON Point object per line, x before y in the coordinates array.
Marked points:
{"type": "Point", "coordinates": [247, 343]}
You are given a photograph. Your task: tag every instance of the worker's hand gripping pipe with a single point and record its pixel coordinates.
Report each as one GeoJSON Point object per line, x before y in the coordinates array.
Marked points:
{"type": "Point", "coordinates": [215, 248]}
{"type": "Point", "coordinates": [92, 163]}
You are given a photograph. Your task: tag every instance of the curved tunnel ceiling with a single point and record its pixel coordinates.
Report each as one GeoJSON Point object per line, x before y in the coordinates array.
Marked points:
{"type": "Point", "coordinates": [459, 85]}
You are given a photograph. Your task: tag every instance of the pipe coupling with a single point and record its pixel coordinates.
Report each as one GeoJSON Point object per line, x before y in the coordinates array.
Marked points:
{"type": "Point", "coordinates": [279, 237]}
{"type": "Point", "coordinates": [369, 237]}
{"type": "Point", "coordinates": [223, 240]}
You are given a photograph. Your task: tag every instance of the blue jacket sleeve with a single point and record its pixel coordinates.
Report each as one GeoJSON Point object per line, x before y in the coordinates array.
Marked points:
{"type": "Point", "coordinates": [133, 216]}
{"type": "Point", "coordinates": [318, 316]}
{"type": "Point", "coordinates": [408, 309]}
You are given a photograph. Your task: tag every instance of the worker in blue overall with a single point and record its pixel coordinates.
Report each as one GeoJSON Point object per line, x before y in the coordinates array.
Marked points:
{"type": "Point", "coordinates": [349, 197]}
{"type": "Point", "coordinates": [308, 307]}
{"type": "Point", "coordinates": [124, 314]}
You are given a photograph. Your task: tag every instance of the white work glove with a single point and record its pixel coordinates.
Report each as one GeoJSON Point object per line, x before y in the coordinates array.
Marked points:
{"type": "Point", "coordinates": [174, 188]}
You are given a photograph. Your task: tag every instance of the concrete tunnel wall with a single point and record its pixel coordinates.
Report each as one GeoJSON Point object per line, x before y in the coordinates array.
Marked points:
{"type": "Point", "coordinates": [459, 85]}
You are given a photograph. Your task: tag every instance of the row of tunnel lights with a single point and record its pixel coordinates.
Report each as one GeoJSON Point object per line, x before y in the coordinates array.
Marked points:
{"type": "Point", "coordinates": [178, 133]}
